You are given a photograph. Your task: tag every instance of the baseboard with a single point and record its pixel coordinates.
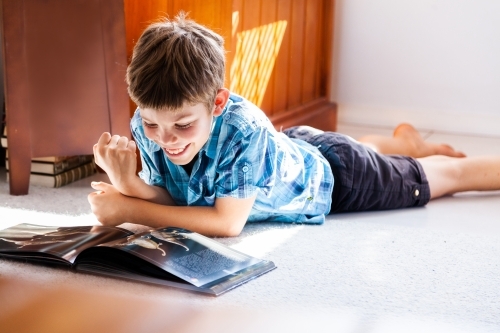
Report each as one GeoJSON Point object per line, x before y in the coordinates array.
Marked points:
{"type": "Point", "coordinates": [436, 120]}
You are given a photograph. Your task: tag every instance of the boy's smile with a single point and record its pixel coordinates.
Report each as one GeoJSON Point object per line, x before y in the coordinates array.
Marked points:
{"type": "Point", "coordinates": [180, 155]}
{"type": "Point", "coordinates": [175, 151]}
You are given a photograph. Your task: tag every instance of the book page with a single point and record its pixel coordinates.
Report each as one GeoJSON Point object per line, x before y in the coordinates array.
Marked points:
{"type": "Point", "coordinates": [190, 256]}
{"type": "Point", "coordinates": [62, 243]}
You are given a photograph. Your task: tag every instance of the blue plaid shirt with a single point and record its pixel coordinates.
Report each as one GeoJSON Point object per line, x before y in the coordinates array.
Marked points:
{"type": "Point", "coordinates": [245, 156]}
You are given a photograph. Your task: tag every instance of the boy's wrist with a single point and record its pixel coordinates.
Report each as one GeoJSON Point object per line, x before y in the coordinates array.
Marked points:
{"type": "Point", "coordinates": [130, 187]}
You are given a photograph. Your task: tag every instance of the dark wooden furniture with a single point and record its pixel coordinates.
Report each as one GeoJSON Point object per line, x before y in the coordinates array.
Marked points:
{"type": "Point", "coordinates": [65, 63]}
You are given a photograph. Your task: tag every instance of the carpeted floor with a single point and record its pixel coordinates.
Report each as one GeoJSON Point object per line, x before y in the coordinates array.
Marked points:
{"type": "Point", "coordinates": [432, 269]}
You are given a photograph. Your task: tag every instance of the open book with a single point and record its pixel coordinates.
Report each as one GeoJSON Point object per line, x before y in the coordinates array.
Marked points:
{"type": "Point", "coordinates": [167, 256]}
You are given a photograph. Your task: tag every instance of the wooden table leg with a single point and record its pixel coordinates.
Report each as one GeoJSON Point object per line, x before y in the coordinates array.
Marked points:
{"type": "Point", "coordinates": [16, 95]}
{"type": "Point", "coordinates": [19, 159]}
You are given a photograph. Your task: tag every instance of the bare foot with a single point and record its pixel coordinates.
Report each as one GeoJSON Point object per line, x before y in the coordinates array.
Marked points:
{"type": "Point", "coordinates": [419, 147]}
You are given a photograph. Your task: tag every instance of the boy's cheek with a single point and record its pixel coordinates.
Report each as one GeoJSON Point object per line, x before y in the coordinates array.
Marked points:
{"type": "Point", "coordinates": [190, 133]}
{"type": "Point", "coordinates": [149, 134]}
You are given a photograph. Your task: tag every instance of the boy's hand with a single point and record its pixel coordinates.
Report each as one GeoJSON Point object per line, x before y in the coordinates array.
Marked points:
{"type": "Point", "coordinates": [116, 155]}
{"type": "Point", "coordinates": [108, 204]}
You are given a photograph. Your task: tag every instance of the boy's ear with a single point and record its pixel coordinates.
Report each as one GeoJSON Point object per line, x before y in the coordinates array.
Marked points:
{"type": "Point", "coordinates": [220, 101]}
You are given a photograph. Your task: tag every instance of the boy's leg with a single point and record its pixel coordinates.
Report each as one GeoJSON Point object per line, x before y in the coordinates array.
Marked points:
{"type": "Point", "coordinates": [448, 175]}
{"type": "Point", "coordinates": [365, 179]}
{"type": "Point", "coordinates": [407, 141]}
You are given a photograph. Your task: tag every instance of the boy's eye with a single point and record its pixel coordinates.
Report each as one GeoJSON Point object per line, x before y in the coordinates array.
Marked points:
{"type": "Point", "coordinates": [148, 124]}
{"type": "Point", "coordinates": [183, 126]}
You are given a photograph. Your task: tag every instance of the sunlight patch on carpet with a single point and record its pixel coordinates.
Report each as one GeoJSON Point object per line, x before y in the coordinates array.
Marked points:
{"type": "Point", "coordinates": [13, 216]}
{"type": "Point", "coordinates": [264, 242]}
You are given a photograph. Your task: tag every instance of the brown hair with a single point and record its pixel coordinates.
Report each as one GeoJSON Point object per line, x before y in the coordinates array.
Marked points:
{"type": "Point", "coordinates": [176, 62]}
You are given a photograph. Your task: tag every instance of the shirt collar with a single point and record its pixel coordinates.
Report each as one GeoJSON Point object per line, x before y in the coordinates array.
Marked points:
{"type": "Point", "coordinates": [210, 148]}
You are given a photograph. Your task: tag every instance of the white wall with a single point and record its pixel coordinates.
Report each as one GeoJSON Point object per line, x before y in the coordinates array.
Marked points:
{"type": "Point", "coordinates": [434, 63]}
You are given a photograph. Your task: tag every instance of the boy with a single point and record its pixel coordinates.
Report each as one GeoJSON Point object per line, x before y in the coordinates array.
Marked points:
{"type": "Point", "coordinates": [211, 161]}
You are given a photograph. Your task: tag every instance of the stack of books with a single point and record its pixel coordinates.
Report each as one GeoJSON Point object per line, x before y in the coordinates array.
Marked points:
{"type": "Point", "coordinates": [2, 151]}
{"type": "Point", "coordinates": [55, 171]}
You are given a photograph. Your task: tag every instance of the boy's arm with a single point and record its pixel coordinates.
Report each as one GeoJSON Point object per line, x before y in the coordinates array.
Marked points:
{"type": "Point", "coordinates": [226, 218]}
{"type": "Point", "coordinates": [116, 155]}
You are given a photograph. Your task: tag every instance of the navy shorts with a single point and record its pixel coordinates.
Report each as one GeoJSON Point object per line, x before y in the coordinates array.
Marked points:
{"type": "Point", "coordinates": [364, 179]}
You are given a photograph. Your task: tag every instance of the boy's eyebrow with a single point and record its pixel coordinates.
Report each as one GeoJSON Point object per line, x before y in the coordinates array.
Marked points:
{"type": "Point", "coordinates": [145, 119]}
{"type": "Point", "coordinates": [180, 117]}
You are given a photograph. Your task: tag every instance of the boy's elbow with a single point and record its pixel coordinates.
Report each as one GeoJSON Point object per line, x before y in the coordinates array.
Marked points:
{"type": "Point", "coordinates": [233, 232]}
{"type": "Point", "coordinates": [233, 229]}
{"type": "Point", "coordinates": [231, 214]}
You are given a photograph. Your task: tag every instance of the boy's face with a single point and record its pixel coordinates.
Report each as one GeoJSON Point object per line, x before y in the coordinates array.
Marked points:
{"type": "Point", "coordinates": [183, 133]}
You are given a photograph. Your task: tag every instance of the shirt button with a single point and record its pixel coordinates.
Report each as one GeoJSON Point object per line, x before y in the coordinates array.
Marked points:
{"type": "Point", "coordinates": [245, 169]}
{"type": "Point", "coordinates": [227, 116]}
{"type": "Point", "coordinates": [416, 193]}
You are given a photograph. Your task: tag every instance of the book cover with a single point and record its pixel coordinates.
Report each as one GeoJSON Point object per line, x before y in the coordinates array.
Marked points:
{"type": "Point", "coordinates": [167, 256]}
{"type": "Point", "coordinates": [63, 178]}
{"type": "Point", "coordinates": [56, 167]}
{"type": "Point", "coordinates": [3, 151]}
{"type": "Point", "coordinates": [3, 139]}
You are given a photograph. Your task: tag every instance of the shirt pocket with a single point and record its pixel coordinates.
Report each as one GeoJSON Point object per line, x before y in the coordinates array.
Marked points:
{"type": "Point", "coordinates": [201, 191]}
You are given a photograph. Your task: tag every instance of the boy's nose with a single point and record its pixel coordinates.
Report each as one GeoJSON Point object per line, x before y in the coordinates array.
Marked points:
{"type": "Point", "coordinates": [167, 137]}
